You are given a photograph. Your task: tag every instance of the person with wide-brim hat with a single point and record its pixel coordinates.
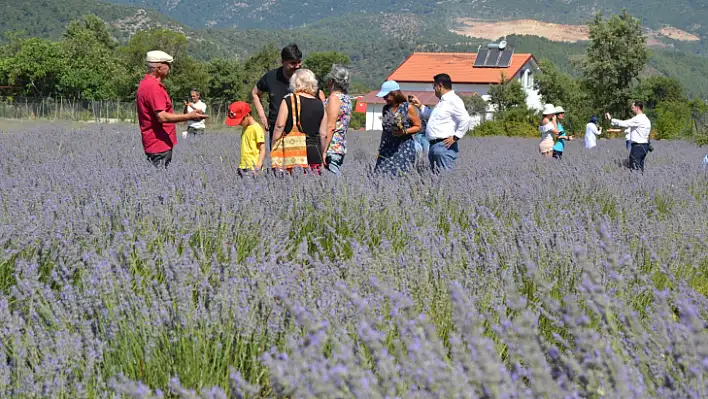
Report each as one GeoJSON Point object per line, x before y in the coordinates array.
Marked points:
{"type": "Point", "coordinates": [561, 136]}
{"type": "Point", "coordinates": [547, 127]}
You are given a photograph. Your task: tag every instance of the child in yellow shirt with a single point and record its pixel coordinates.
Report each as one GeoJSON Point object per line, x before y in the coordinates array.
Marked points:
{"type": "Point", "coordinates": [252, 138]}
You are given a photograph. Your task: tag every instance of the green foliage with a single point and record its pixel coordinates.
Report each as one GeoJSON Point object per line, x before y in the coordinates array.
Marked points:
{"type": "Point", "coordinates": [92, 71]}
{"type": "Point", "coordinates": [475, 105]}
{"type": "Point", "coordinates": [36, 65]}
{"type": "Point", "coordinates": [507, 94]}
{"type": "Point", "coordinates": [615, 57]}
{"type": "Point", "coordinates": [657, 89]}
{"type": "Point", "coordinates": [501, 127]}
{"type": "Point", "coordinates": [673, 119]}
{"type": "Point", "coordinates": [321, 64]}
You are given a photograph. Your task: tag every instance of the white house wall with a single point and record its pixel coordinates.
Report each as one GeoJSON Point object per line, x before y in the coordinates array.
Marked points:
{"type": "Point", "coordinates": [373, 116]}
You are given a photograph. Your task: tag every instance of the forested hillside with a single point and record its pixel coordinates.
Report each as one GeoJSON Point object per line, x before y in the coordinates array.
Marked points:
{"type": "Point", "coordinates": [375, 43]}
{"type": "Point", "coordinates": [277, 14]}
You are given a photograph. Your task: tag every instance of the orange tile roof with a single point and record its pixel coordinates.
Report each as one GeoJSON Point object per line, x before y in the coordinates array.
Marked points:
{"type": "Point", "coordinates": [421, 67]}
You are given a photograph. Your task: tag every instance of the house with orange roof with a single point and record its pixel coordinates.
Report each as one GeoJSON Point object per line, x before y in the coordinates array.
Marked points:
{"type": "Point", "coordinates": [471, 74]}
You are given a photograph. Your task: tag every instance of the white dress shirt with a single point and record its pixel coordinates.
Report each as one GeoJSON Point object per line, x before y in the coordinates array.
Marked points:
{"type": "Point", "coordinates": [591, 133]}
{"type": "Point", "coordinates": [197, 124]}
{"type": "Point", "coordinates": [639, 128]}
{"type": "Point", "coordinates": [448, 118]}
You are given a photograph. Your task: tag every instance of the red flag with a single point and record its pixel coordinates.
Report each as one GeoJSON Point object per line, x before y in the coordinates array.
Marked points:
{"type": "Point", "coordinates": [360, 107]}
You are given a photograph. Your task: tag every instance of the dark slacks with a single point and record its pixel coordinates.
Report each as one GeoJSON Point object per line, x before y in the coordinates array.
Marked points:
{"type": "Point", "coordinates": [637, 155]}
{"type": "Point", "coordinates": [160, 158]}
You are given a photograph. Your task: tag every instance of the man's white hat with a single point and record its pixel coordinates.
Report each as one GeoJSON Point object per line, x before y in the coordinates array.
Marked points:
{"type": "Point", "coordinates": [559, 110]}
{"type": "Point", "coordinates": [549, 109]}
{"type": "Point", "coordinates": [159, 56]}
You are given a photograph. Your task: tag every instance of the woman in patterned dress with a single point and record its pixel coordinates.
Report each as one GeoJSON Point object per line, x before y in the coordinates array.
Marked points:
{"type": "Point", "coordinates": [338, 107]}
{"type": "Point", "coordinates": [400, 123]}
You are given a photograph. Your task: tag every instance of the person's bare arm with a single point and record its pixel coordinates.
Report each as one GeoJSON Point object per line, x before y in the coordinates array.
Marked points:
{"type": "Point", "coordinates": [331, 113]}
{"type": "Point", "coordinates": [416, 124]}
{"type": "Point", "coordinates": [281, 121]}
{"type": "Point", "coordinates": [324, 140]}
{"type": "Point", "coordinates": [166, 117]}
{"type": "Point", "coordinates": [256, 98]}
{"type": "Point", "coordinates": [261, 155]}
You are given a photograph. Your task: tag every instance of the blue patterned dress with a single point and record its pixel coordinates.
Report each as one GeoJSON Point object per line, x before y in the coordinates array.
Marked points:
{"type": "Point", "coordinates": [396, 154]}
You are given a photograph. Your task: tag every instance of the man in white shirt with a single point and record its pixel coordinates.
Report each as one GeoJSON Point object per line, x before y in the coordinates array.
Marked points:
{"type": "Point", "coordinates": [639, 130]}
{"type": "Point", "coordinates": [447, 123]}
{"type": "Point", "coordinates": [591, 133]}
{"type": "Point", "coordinates": [195, 126]}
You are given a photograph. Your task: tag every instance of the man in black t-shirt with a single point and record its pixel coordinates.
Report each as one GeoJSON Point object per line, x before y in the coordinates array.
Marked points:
{"type": "Point", "coordinates": [277, 84]}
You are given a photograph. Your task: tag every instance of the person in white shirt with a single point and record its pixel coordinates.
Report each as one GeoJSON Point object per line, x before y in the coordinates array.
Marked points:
{"type": "Point", "coordinates": [446, 124]}
{"type": "Point", "coordinates": [195, 126]}
{"type": "Point", "coordinates": [591, 133]}
{"type": "Point", "coordinates": [639, 129]}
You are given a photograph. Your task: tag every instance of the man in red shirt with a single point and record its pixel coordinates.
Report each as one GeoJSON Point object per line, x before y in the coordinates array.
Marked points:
{"type": "Point", "coordinates": [155, 113]}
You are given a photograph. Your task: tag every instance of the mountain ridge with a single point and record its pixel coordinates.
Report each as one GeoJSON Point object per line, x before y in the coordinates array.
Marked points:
{"type": "Point", "coordinates": [689, 15]}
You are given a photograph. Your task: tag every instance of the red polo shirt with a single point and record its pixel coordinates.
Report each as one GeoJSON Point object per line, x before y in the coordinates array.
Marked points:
{"type": "Point", "coordinates": [152, 98]}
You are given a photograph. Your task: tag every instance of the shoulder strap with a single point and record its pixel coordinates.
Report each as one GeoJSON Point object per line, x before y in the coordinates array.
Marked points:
{"type": "Point", "coordinates": [295, 108]}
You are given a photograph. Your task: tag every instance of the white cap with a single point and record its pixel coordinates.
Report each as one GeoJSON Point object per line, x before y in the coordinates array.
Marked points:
{"type": "Point", "coordinates": [559, 110]}
{"type": "Point", "coordinates": [549, 109]}
{"type": "Point", "coordinates": [159, 56]}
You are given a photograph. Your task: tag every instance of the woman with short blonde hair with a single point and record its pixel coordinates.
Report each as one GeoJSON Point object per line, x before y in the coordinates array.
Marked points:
{"type": "Point", "coordinates": [311, 116]}
{"type": "Point", "coordinates": [304, 81]}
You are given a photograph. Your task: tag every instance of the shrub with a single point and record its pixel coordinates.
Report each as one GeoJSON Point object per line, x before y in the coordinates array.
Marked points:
{"type": "Point", "coordinates": [672, 119]}
{"type": "Point", "coordinates": [505, 128]}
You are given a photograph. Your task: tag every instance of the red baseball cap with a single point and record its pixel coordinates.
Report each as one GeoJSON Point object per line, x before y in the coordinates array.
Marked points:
{"type": "Point", "coordinates": [237, 111]}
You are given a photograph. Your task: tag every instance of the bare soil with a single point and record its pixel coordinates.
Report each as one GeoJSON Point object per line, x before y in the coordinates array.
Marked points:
{"type": "Point", "coordinates": [555, 32]}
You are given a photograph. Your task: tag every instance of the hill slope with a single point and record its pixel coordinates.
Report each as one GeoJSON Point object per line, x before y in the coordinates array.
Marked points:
{"type": "Point", "coordinates": [688, 15]}
{"type": "Point", "coordinates": [376, 43]}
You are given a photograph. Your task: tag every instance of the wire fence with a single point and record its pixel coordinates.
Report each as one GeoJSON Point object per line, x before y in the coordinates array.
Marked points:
{"type": "Point", "coordinates": [86, 110]}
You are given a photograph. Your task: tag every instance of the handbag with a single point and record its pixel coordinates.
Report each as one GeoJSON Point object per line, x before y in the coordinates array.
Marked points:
{"type": "Point", "coordinates": [290, 150]}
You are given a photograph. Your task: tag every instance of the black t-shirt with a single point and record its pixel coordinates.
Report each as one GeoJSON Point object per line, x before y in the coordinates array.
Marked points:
{"type": "Point", "coordinates": [277, 86]}
{"type": "Point", "coordinates": [311, 113]}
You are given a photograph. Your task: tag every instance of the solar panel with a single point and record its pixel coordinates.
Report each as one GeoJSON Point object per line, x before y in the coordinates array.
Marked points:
{"type": "Point", "coordinates": [493, 57]}
{"type": "Point", "coordinates": [505, 59]}
{"type": "Point", "coordinates": [481, 58]}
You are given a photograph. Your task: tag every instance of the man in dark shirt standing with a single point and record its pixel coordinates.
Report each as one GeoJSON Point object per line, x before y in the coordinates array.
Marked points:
{"type": "Point", "coordinates": [276, 83]}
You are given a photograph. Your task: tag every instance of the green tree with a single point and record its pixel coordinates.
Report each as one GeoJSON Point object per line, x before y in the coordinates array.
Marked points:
{"type": "Point", "coordinates": [615, 57]}
{"type": "Point", "coordinates": [657, 89]}
{"type": "Point", "coordinates": [93, 71]}
{"type": "Point", "coordinates": [507, 94]}
{"type": "Point", "coordinates": [34, 64]}
{"type": "Point", "coordinates": [321, 64]}
{"type": "Point", "coordinates": [186, 73]}
{"type": "Point", "coordinates": [476, 105]}
{"type": "Point", "coordinates": [227, 81]}
{"type": "Point", "coordinates": [673, 119]}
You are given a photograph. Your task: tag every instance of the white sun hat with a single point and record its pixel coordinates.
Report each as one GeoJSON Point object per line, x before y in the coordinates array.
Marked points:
{"type": "Point", "coordinates": [549, 109]}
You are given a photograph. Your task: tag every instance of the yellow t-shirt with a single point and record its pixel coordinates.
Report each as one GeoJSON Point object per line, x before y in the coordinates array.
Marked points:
{"type": "Point", "coordinates": [250, 138]}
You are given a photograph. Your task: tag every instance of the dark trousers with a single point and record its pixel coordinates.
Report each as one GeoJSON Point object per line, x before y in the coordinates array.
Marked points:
{"type": "Point", "coordinates": [637, 155]}
{"type": "Point", "coordinates": [557, 154]}
{"type": "Point", "coordinates": [160, 158]}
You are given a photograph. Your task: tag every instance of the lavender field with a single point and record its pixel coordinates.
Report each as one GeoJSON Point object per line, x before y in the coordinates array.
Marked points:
{"type": "Point", "coordinates": [512, 277]}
